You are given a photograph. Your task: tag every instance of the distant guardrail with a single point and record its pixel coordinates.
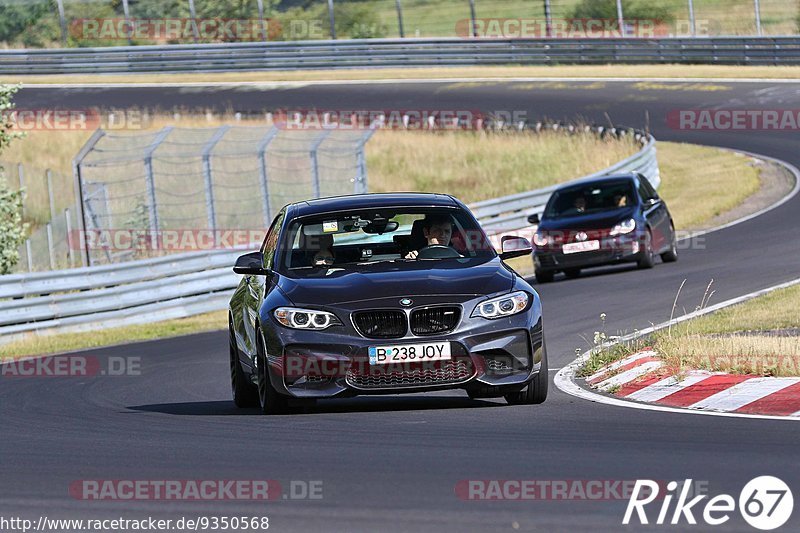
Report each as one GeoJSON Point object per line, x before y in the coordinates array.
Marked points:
{"type": "Point", "coordinates": [366, 53]}
{"type": "Point", "coordinates": [181, 285]}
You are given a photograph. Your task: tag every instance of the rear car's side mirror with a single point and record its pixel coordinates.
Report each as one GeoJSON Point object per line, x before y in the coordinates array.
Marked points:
{"type": "Point", "coordinates": [251, 264]}
{"type": "Point", "coordinates": [533, 219]}
{"type": "Point", "coordinates": [512, 247]}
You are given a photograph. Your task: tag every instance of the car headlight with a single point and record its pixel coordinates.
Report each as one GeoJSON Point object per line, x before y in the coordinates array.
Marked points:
{"type": "Point", "coordinates": [623, 228]}
{"type": "Point", "coordinates": [296, 318]}
{"type": "Point", "coordinates": [502, 306]}
{"type": "Point", "coordinates": [540, 239]}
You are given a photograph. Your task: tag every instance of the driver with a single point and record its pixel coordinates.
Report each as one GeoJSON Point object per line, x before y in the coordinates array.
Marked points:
{"type": "Point", "coordinates": [437, 230]}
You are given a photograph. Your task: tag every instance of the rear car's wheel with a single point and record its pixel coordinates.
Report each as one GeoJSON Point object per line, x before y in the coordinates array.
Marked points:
{"type": "Point", "coordinates": [572, 272]}
{"type": "Point", "coordinates": [544, 276]}
{"type": "Point", "coordinates": [269, 400]}
{"type": "Point", "coordinates": [244, 393]}
{"type": "Point", "coordinates": [648, 257]}
{"type": "Point", "coordinates": [536, 391]}
{"type": "Point", "coordinates": [671, 255]}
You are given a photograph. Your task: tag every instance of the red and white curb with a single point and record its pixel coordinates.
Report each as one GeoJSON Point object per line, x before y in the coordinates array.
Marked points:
{"type": "Point", "coordinates": [641, 377]}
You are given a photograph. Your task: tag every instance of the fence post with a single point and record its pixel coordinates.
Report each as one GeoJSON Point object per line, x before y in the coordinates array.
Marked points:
{"type": "Point", "coordinates": [332, 19]}
{"type": "Point", "coordinates": [21, 176]}
{"type": "Point", "coordinates": [315, 189]}
{"type": "Point", "coordinates": [76, 173]}
{"type": "Point", "coordinates": [62, 21]}
{"type": "Point", "coordinates": [70, 254]}
{"type": "Point", "coordinates": [28, 255]}
{"type": "Point", "coordinates": [757, 6]}
{"type": "Point", "coordinates": [360, 185]}
{"type": "Point", "coordinates": [193, 16]}
{"type": "Point", "coordinates": [127, 12]}
{"type": "Point", "coordinates": [399, 18]}
{"type": "Point", "coordinates": [473, 20]}
{"type": "Point", "coordinates": [620, 18]}
{"type": "Point", "coordinates": [49, 177]}
{"type": "Point", "coordinates": [152, 206]}
{"type": "Point", "coordinates": [548, 18]}
{"type": "Point", "coordinates": [264, 175]}
{"type": "Point", "coordinates": [50, 250]}
{"type": "Point", "coordinates": [208, 176]}
{"type": "Point", "coordinates": [692, 23]}
{"type": "Point", "coordinates": [260, 5]}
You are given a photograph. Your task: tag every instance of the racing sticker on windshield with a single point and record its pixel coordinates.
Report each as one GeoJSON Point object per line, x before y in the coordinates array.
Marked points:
{"type": "Point", "coordinates": [329, 226]}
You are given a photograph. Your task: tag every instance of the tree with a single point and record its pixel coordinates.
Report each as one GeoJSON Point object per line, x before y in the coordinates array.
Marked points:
{"type": "Point", "coordinates": [12, 229]}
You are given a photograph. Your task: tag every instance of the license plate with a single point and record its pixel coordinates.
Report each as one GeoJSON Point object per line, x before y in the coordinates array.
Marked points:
{"type": "Point", "coordinates": [403, 353]}
{"type": "Point", "coordinates": [576, 247]}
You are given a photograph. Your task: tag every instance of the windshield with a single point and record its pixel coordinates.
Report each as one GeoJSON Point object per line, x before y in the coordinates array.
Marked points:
{"type": "Point", "coordinates": [342, 240]}
{"type": "Point", "coordinates": [590, 198]}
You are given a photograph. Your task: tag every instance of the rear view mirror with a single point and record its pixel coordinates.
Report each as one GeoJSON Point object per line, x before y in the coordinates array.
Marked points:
{"type": "Point", "coordinates": [251, 264]}
{"type": "Point", "coordinates": [515, 247]}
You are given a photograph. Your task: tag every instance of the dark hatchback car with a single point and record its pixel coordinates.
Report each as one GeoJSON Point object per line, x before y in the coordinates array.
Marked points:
{"type": "Point", "coordinates": [383, 294]}
{"type": "Point", "coordinates": [602, 221]}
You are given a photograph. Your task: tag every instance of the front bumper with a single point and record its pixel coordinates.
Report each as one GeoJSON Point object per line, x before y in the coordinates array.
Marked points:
{"type": "Point", "coordinates": [502, 355]}
{"type": "Point", "coordinates": [613, 250]}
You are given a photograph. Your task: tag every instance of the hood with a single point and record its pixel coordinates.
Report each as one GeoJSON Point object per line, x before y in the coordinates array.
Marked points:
{"type": "Point", "coordinates": [469, 276]}
{"type": "Point", "coordinates": [588, 222]}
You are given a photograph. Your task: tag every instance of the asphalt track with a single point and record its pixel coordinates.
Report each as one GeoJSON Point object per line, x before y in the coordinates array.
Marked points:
{"type": "Point", "coordinates": [392, 463]}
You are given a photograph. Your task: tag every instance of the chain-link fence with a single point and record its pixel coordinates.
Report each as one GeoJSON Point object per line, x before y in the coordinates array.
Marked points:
{"type": "Point", "coordinates": [81, 23]}
{"type": "Point", "coordinates": [180, 189]}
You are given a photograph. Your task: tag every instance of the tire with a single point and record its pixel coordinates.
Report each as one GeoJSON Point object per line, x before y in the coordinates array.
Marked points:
{"type": "Point", "coordinates": [536, 391]}
{"type": "Point", "coordinates": [544, 276]}
{"type": "Point", "coordinates": [270, 401]}
{"type": "Point", "coordinates": [572, 273]}
{"type": "Point", "coordinates": [648, 258]}
{"type": "Point", "coordinates": [671, 255]}
{"type": "Point", "coordinates": [244, 393]}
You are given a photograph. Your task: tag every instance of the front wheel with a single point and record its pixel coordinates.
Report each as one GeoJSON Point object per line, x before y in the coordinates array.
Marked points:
{"type": "Point", "coordinates": [269, 400]}
{"type": "Point", "coordinates": [536, 391]}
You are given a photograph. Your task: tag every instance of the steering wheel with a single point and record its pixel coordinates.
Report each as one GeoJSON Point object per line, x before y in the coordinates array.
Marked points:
{"type": "Point", "coordinates": [437, 251]}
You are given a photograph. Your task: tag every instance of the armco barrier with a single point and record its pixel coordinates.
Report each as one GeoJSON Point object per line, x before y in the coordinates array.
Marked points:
{"type": "Point", "coordinates": [182, 285]}
{"type": "Point", "coordinates": [366, 53]}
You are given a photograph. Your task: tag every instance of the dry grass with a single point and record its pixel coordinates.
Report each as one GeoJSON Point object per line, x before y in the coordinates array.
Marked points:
{"type": "Point", "coordinates": [477, 166]}
{"type": "Point", "coordinates": [700, 183]}
{"type": "Point", "coordinates": [537, 72]}
{"type": "Point", "coordinates": [44, 345]}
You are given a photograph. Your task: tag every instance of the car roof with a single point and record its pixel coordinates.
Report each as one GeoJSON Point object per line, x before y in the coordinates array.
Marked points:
{"type": "Point", "coordinates": [600, 179]}
{"type": "Point", "coordinates": [372, 200]}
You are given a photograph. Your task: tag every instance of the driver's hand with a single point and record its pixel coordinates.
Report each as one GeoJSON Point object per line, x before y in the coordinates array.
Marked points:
{"type": "Point", "coordinates": [412, 254]}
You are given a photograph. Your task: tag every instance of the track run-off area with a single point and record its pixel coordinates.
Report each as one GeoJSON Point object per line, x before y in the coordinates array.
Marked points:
{"type": "Point", "coordinates": [398, 463]}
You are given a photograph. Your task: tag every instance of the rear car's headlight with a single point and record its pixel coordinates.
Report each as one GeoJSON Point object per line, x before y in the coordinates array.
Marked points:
{"type": "Point", "coordinates": [623, 228]}
{"type": "Point", "coordinates": [293, 317]}
{"type": "Point", "coordinates": [540, 239]}
{"type": "Point", "coordinates": [507, 305]}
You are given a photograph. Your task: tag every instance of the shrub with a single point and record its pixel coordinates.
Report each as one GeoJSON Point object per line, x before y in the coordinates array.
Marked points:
{"type": "Point", "coordinates": [12, 230]}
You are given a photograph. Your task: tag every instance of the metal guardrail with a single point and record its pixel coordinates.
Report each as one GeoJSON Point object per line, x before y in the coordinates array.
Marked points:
{"type": "Point", "coordinates": [186, 284]}
{"type": "Point", "coordinates": [363, 53]}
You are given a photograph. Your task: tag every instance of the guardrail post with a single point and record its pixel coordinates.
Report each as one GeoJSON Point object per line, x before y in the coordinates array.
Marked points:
{"type": "Point", "coordinates": [332, 19]}
{"type": "Point", "coordinates": [49, 177]}
{"type": "Point", "coordinates": [70, 254]}
{"type": "Point", "coordinates": [209, 177]}
{"type": "Point", "coordinates": [50, 250]}
{"type": "Point", "coordinates": [264, 174]}
{"type": "Point", "coordinates": [28, 255]}
{"type": "Point", "coordinates": [315, 189]}
{"type": "Point", "coordinates": [62, 20]}
{"type": "Point", "coordinates": [399, 18]}
{"type": "Point", "coordinates": [86, 259]}
{"type": "Point", "coordinates": [152, 206]}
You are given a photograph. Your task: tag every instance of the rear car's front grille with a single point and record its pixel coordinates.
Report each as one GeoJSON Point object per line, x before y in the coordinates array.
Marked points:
{"type": "Point", "coordinates": [381, 324]}
{"type": "Point", "coordinates": [435, 320]}
{"type": "Point", "coordinates": [412, 374]}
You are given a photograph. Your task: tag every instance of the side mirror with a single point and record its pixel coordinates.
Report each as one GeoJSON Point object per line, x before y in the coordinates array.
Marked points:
{"type": "Point", "coordinates": [515, 247]}
{"type": "Point", "coordinates": [251, 264]}
{"type": "Point", "coordinates": [533, 219]}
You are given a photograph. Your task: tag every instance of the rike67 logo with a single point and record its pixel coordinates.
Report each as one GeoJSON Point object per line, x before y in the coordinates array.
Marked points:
{"type": "Point", "coordinates": [765, 503]}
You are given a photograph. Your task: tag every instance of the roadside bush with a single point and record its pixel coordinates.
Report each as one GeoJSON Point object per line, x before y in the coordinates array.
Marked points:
{"type": "Point", "coordinates": [632, 9]}
{"type": "Point", "coordinates": [12, 230]}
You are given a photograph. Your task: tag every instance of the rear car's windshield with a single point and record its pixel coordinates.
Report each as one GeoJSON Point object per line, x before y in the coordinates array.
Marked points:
{"type": "Point", "coordinates": [342, 240]}
{"type": "Point", "coordinates": [591, 198]}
